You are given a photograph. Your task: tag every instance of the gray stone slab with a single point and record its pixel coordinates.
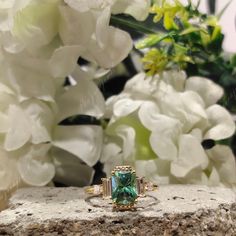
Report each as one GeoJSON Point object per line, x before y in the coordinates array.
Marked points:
{"type": "Point", "coordinates": [172, 210]}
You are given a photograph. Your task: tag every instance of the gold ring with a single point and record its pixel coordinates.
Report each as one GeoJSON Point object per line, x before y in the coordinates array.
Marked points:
{"type": "Point", "coordinates": [123, 187]}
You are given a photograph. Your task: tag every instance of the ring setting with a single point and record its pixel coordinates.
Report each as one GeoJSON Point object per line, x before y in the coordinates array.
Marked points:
{"type": "Point", "coordinates": [123, 187]}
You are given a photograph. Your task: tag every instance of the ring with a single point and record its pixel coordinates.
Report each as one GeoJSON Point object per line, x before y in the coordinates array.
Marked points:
{"type": "Point", "coordinates": [123, 187]}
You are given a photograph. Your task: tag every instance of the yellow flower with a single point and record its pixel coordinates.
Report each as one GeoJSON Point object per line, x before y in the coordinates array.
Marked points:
{"type": "Point", "coordinates": [168, 12]}
{"type": "Point", "coordinates": [155, 61]}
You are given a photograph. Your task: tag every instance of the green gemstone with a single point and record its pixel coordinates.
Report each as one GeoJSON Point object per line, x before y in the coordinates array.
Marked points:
{"type": "Point", "coordinates": [124, 189]}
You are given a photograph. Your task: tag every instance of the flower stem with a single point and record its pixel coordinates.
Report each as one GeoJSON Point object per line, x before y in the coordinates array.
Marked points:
{"type": "Point", "coordinates": [118, 21]}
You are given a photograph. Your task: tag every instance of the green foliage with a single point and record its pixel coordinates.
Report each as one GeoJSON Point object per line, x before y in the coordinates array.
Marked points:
{"type": "Point", "coordinates": [191, 41]}
{"type": "Point", "coordinates": [188, 34]}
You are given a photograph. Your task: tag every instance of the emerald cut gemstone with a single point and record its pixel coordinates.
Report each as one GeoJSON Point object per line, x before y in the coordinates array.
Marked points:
{"type": "Point", "coordinates": [124, 187]}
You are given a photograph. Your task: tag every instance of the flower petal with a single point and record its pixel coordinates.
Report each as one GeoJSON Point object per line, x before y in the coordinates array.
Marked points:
{"type": "Point", "coordinates": [127, 134]}
{"type": "Point", "coordinates": [6, 4]}
{"type": "Point", "coordinates": [80, 5]}
{"type": "Point", "coordinates": [163, 137]}
{"type": "Point", "coordinates": [195, 176]}
{"type": "Point", "coordinates": [83, 141]}
{"type": "Point", "coordinates": [154, 170]}
{"type": "Point", "coordinates": [70, 170]}
{"type": "Point", "coordinates": [102, 27]}
{"type": "Point", "coordinates": [149, 115]}
{"type": "Point", "coordinates": [207, 89]}
{"type": "Point", "coordinates": [19, 132]}
{"type": "Point", "coordinates": [191, 156]}
{"type": "Point", "coordinates": [30, 83]}
{"type": "Point", "coordinates": [139, 9]}
{"type": "Point", "coordinates": [141, 86]}
{"type": "Point", "coordinates": [41, 120]}
{"type": "Point", "coordinates": [9, 176]}
{"type": "Point", "coordinates": [176, 79]}
{"type": "Point", "coordinates": [214, 178]}
{"type": "Point", "coordinates": [64, 60]}
{"type": "Point", "coordinates": [223, 160]}
{"type": "Point", "coordinates": [4, 123]}
{"type": "Point", "coordinates": [110, 150]}
{"type": "Point", "coordinates": [111, 157]}
{"type": "Point", "coordinates": [83, 22]}
{"type": "Point", "coordinates": [84, 5]}
{"type": "Point", "coordinates": [221, 122]}
{"type": "Point", "coordinates": [118, 46]}
{"type": "Point", "coordinates": [126, 106]}
{"type": "Point", "coordinates": [82, 99]}
{"type": "Point", "coordinates": [110, 102]}
{"type": "Point", "coordinates": [188, 107]}
{"type": "Point", "coordinates": [10, 43]}
{"type": "Point", "coordinates": [36, 24]}
{"type": "Point", "coordinates": [35, 166]}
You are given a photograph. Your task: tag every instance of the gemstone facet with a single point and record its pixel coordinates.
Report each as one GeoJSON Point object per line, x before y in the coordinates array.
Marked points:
{"type": "Point", "coordinates": [124, 187]}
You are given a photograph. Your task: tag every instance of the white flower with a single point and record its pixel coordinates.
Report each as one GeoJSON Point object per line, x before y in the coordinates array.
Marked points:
{"type": "Point", "coordinates": [139, 9]}
{"type": "Point", "coordinates": [29, 22]}
{"type": "Point", "coordinates": [103, 44]}
{"type": "Point", "coordinates": [25, 130]}
{"type": "Point", "coordinates": [9, 177]}
{"type": "Point", "coordinates": [41, 42]}
{"type": "Point", "coordinates": [46, 30]}
{"type": "Point", "coordinates": [159, 125]}
{"type": "Point", "coordinates": [35, 146]}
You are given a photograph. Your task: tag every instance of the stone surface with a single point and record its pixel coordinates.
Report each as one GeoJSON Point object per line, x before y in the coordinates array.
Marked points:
{"type": "Point", "coordinates": [172, 210]}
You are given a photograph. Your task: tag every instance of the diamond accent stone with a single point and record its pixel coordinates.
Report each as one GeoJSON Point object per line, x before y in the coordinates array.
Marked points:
{"type": "Point", "coordinates": [106, 185]}
{"type": "Point", "coordinates": [140, 186]}
{"type": "Point", "coordinates": [97, 189]}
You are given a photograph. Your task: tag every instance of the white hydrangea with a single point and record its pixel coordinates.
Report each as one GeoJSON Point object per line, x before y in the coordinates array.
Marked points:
{"type": "Point", "coordinates": [158, 125]}
{"type": "Point", "coordinates": [40, 43]}
{"type": "Point", "coordinates": [34, 148]}
{"type": "Point", "coordinates": [58, 30]}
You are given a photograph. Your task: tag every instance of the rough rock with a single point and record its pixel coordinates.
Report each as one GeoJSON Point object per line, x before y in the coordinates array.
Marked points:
{"type": "Point", "coordinates": [172, 210]}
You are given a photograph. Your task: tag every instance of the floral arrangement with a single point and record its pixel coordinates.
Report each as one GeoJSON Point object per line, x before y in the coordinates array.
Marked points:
{"type": "Point", "coordinates": [172, 120]}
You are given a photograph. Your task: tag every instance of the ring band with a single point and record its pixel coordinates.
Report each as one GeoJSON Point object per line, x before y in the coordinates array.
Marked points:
{"type": "Point", "coordinates": [123, 187]}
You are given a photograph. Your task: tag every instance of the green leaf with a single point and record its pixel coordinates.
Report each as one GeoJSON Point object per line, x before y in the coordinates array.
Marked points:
{"type": "Point", "coordinates": [233, 61]}
{"type": "Point", "coordinates": [138, 27]}
{"type": "Point", "coordinates": [193, 29]}
{"type": "Point", "coordinates": [205, 38]}
{"type": "Point", "coordinates": [149, 41]}
{"type": "Point", "coordinates": [152, 40]}
{"type": "Point", "coordinates": [179, 49]}
{"type": "Point", "coordinates": [216, 33]}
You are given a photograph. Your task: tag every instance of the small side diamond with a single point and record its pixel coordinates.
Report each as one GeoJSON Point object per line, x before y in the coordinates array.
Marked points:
{"type": "Point", "coordinates": [106, 187]}
{"type": "Point", "coordinates": [140, 186]}
{"type": "Point", "coordinates": [97, 189]}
